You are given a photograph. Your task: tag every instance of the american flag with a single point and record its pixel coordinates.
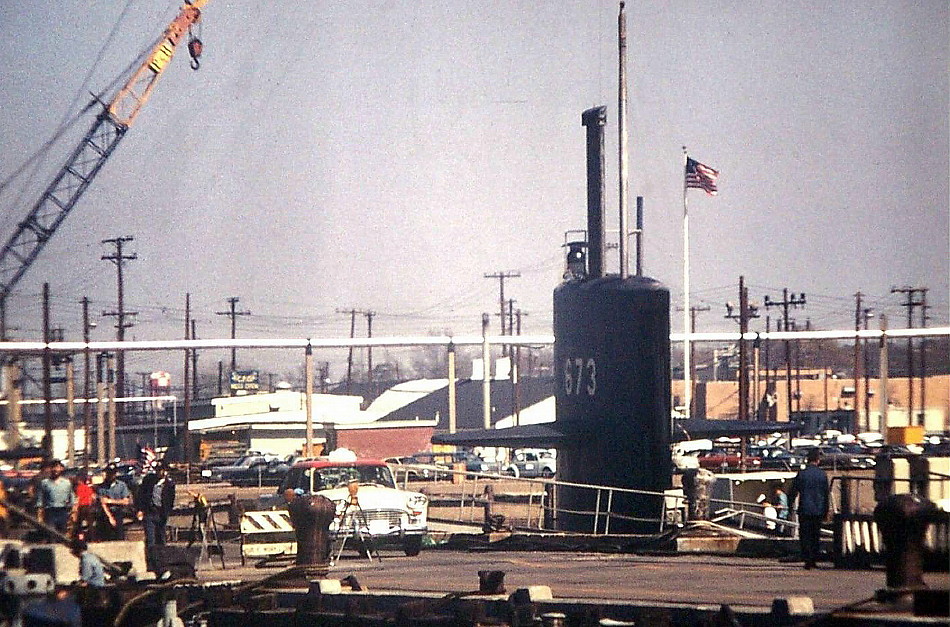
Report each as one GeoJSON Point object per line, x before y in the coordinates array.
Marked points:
{"type": "Point", "coordinates": [700, 176]}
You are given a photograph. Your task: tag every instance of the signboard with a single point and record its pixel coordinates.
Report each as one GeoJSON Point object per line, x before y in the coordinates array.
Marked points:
{"type": "Point", "coordinates": [160, 382]}
{"type": "Point", "coordinates": [245, 382]}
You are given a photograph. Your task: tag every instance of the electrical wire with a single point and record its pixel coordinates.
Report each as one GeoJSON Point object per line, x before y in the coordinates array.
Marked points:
{"type": "Point", "coordinates": [69, 120]}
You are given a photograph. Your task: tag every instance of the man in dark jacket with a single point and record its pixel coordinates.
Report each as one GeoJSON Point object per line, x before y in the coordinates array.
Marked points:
{"type": "Point", "coordinates": [811, 488]}
{"type": "Point", "coordinates": [154, 503]}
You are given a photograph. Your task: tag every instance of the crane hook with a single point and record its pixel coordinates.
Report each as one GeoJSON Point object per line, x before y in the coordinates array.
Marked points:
{"type": "Point", "coordinates": [194, 49]}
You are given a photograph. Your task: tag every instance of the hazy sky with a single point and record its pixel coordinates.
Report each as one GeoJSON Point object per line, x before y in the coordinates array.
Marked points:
{"type": "Point", "coordinates": [385, 156]}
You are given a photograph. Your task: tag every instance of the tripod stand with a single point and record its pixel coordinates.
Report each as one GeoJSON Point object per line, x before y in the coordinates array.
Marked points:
{"type": "Point", "coordinates": [352, 527]}
{"type": "Point", "coordinates": [202, 521]}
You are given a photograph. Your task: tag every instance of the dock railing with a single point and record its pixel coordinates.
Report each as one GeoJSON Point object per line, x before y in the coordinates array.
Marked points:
{"type": "Point", "coordinates": [471, 497]}
{"type": "Point", "coordinates": [857, 539]}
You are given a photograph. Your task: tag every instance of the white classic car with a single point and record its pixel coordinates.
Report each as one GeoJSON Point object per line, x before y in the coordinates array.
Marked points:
{"type": "Point", "coordinates": [368, 502]}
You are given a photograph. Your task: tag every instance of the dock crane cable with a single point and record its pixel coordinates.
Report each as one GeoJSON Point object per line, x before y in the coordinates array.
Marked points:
{"type": "Point", "coordinates": [68, 121]}
{"type": "Point", "coordinates": [86, 160]}
{"type": "Point", "coordinates": [101, 98]}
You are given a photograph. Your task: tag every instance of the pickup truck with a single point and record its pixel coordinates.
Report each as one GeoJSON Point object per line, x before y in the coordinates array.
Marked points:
{"type": "Point", "coordinates": [532, 463]}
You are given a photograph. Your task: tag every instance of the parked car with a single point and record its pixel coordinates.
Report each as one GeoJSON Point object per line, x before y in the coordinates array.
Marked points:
{"type": "Point", "coordinates": [937, 447]}
{"type": "Point", "coordinates": [212, 463]}
{"type": "Point", "coordinates": [475, 463]}
{"type": "Point", "coordinates": [532, 463]}
{"type": "Point", "coordinates": [242, 469]}
{"type": "Point", "coordinates": [777, 458]}
{"type": "Point", "coordinates": [835, 458]}
{"type": "Point", "coordinates": [269, 473]}
{"type": "Point", "coordinates": [722, 459]}
{"type": "Point", "coordinates": [386, 514]}
{"type": "Point", "coordinates": [402, 471]}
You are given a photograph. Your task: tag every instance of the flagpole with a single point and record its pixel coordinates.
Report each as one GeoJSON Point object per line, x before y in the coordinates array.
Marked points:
{"type": "Point", "coordinates": [687, 384]}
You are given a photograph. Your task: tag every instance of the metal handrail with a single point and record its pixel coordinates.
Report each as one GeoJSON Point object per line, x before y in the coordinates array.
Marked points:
{"type": "Point", "coordinates": [728, 512]}
{"type": "Point", "coordinates": [601, 515]}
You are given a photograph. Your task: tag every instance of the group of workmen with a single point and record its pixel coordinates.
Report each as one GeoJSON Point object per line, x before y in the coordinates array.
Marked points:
{"type": "Point", "coordinates": [77, 508]}
{"type": "Point", "coordinates": [84, 512]}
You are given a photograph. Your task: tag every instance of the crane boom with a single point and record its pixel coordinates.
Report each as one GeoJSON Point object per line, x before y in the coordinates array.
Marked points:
{"type": "Point", "coordinates": [87, 159]}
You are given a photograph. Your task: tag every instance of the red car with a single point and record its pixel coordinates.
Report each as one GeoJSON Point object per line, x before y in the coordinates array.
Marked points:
{"type": "Point", "coordinates": [721, 459]}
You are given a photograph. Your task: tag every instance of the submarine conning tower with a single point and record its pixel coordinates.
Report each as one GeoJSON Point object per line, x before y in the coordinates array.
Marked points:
{"type": "Point", "coordinates": [612, 379]}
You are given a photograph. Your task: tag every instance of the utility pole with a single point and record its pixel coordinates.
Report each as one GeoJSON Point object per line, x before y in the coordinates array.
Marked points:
{"type": "Point", "coordinates": [47, 379]}
{"type": "Point", "coordinates": [352, 312]}
{"type": "Point", "coordinates": [798, 365]}
{"type": "Point", "coordinates": [746, 312]}
{"type": "Point", "coordinates": [194, 364]}
{"type": "Point", "coordinates": [501, 276]}
{"type": "Point", "coordinates": [511, 320]}
{"type": "Point", "coordinates": [324, 376]}
{"type": "Point", "coordinates": [369, 349]}
{"type": "Point", "coordinates": [233, 314]}
{"type": "Point", "coordinates": [101, 396]}
{"type": "Point", "coordinates": [866, 315]}
{"type": "Point", "coordinates": [452, 386]}
{"type": "Point", "coordinates": [884, 368]}
{"type": "Point", "coordinates": [769, 378]}
{"type": "Point", "coordinates": [349, 360]}
{"type": "Point", "coordinates": [516, 369]}
{"type": "Point", "coordinates": [923, 357]}
{"type": "Point", "coordinates": [910, 303]}
{"type": "Point", "coordinates": [858, 358]}
{"type": "Point", "coordinates": [486, 375]}
{"type": "Point", "coordinates": [187, 402]}
{"type": "Point", "coordinates": [788, 300]}
{"type": "Point", "coordinates": [308, 394]}
{"type": "Point", "coordinates": [113, 407]}
{"type": "Point", "coordinates": [119, 258]}
{"type": "Point", "coordinates": [86, 385]}
{"type": "Point", "coordinates": [693, 310]}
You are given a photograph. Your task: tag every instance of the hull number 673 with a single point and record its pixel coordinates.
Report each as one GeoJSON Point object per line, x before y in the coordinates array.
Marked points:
{"type": "Point", "coordinates": [580, 376]}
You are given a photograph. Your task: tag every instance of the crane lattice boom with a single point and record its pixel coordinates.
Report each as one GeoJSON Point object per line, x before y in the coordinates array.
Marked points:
{"type": "Point", "coordinates": [87, 159]}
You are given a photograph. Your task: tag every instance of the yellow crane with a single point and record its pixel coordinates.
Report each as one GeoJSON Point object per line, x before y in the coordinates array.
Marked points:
{"type": "Point", "coordinates": [84, 163]}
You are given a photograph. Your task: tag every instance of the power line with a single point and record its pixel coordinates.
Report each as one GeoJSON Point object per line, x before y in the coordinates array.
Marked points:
{"type": "Point", "coordinates": [788, 300]}
{"type": "Point", "coordinates": [501, 276]}
{"type": "Point", "coordinates": [915, 297]}
{"type": "Point", "coordinates": [233, 314]}
{"type": "Point", "coordinates": [119, 258]}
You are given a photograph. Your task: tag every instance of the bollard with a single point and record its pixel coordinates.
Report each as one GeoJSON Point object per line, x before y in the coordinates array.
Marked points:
{"type": "Point", "coordinates": [491, 582]}
{"type": "Point", "coordinates": [903, 519]}
{"type": "Point", "coordinates": [311, 516]}
{"type": "Point", "coordinates": [234, 514]}
{"type": "Point", "coordinates": [697, 485]}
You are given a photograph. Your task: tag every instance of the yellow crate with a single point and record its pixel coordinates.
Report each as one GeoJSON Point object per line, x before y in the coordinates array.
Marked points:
{"type": "Point", "coordinates": [905, 435]}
